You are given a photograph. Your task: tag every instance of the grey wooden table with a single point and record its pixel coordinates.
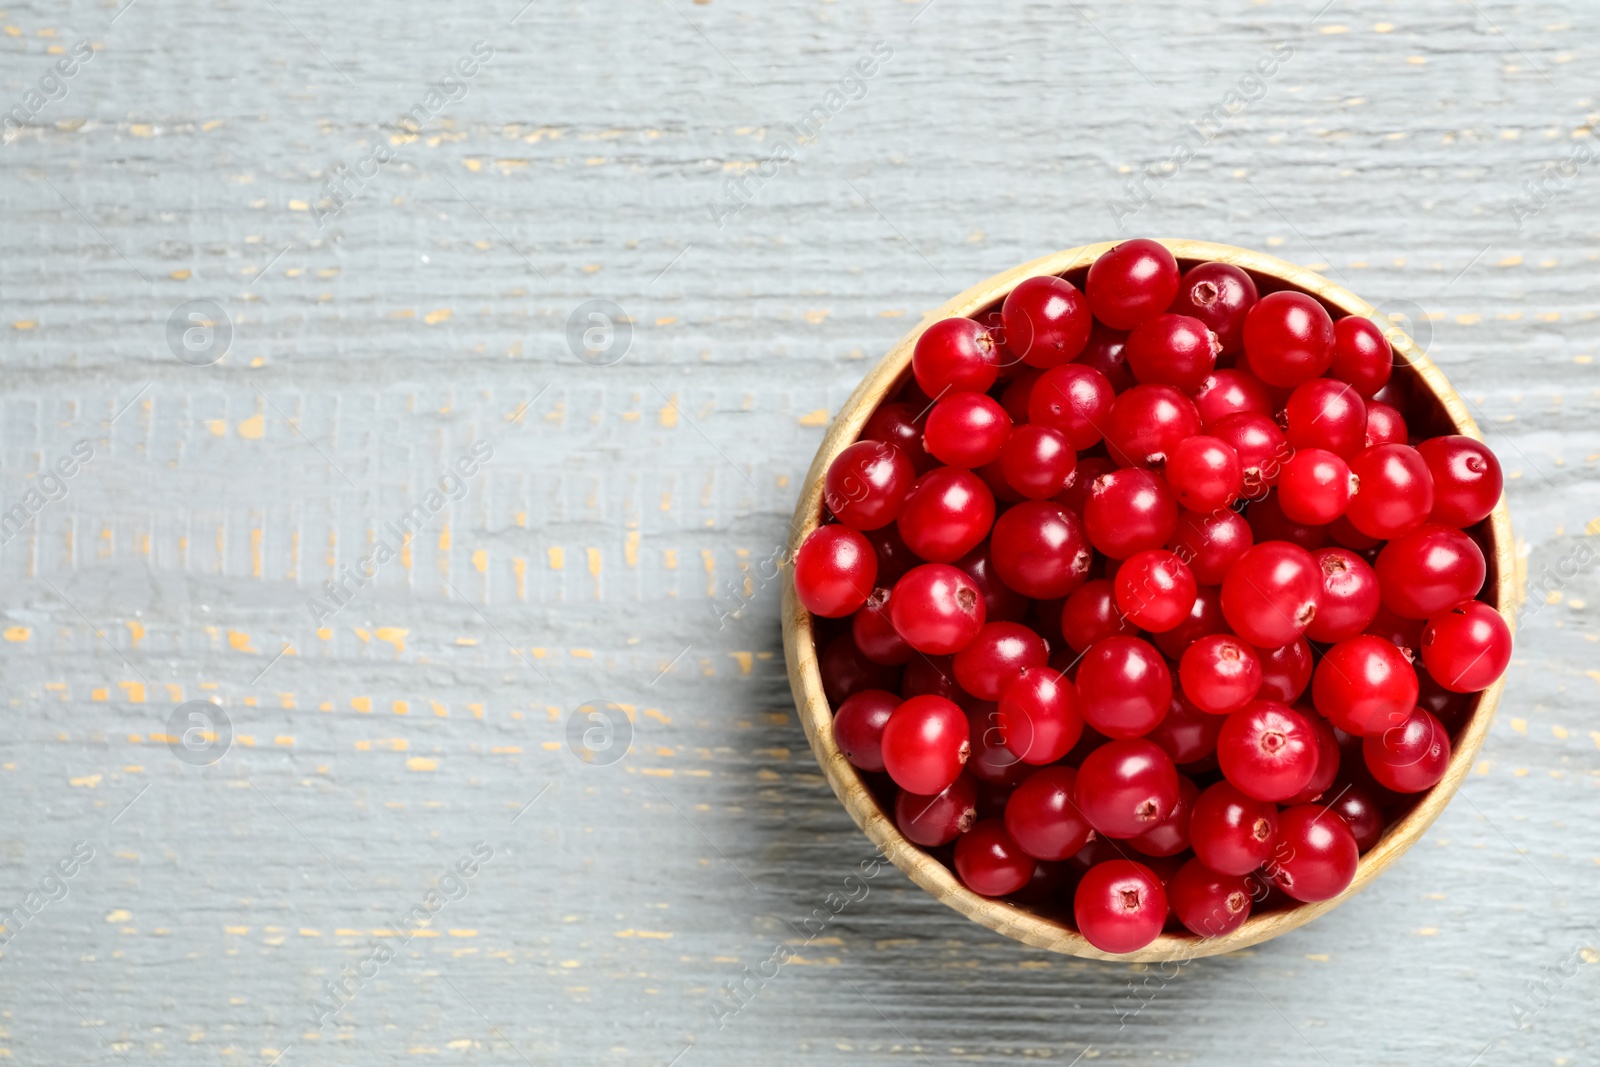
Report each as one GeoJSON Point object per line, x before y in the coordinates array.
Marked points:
{"type": "Point", "coordinates": [300, 295]}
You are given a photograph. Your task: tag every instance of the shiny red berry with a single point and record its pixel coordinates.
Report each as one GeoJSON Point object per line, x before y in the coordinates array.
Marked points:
{"type": "Point", "coordinates": [1204, 473]}
{"type": "Point", "coordinates": [900, 424]}
{"type": "Point", "coordinates": [1129, 510]}
{"type": "Point", "coordinates": [867, 483]}
{"type": "Point", "coordinates": [1270, 595]}
{"type": "Point", "coordinates": [1147, 422]}
{"type": "Point", "coordinates": [1220, 673]}
{"type": "Point", "coordinates": [1285, 671]}
{"type": "Point", "coordinates": [1410, 756]}
{"type": "Point", "coordinates": [1428, 570]}
{"type": "Point", "coordinates": [1132, 283]}
{"type": "Point", "coordinates": [1091, 613]}
{"type": "Point", "coordinates": [966, 430]}
{"type": "Point", "coordinates": [1361, 355]}
{"type": "Point", "coordinates": [1385, 425]}
{"type": "Point", "coordinates": [1315, 487]}
{"type": "Point", "coordinates": [846, 672]}
{"type": "Point", "coordinates": [1187, 734]}
{"type": "Point", "coordinates": [1040, 550]}
{"type": "Point", "coordinates": [1466, 648]}
{"type": "Point", "coordinates": [925, 744]}
{"type": "Point", "coordinates": [1267, 750]}
{"type": "Point", "coordinates": [993, 658]}
{"type": "Point", "coordinates": [858, 727]}
{"type": "Point", "coordinates": [1288, 339]}
{"type": "Point", "coordinates": [1046, 321]}
{"type": "Point", "coordinates": [1038, 716]}
{"type": "Point", "coordinates": [1155, 590]}
{"type": "Point", "coordinates": [1466, 479]}
{"type": "Point", "coordinates": [1232, 832]}
{"type": "Point", "coordinates": [834, 571]}
{"type": "Point", "coordinates": [931, 821]}
{"type": "Point", "coordinates": [937, 608]}
{"type": "Point", "coordinates": [1124, 687]}
{"type": "Point", "coordinates": [1260, 446]}
{"type": "Point", "coordinates": [946, 514]}
{"type": "Point", "coordinates": [1042, 817]}
{"type": "Point", "coordinates": [1328, 414]}
{"type": "Point", "coordinates": [1318, 855]}
{"type": "Point", "coordinates": [1126, 787]}
{"type": "Point", "coordinates": [1208, 902]}
{"type": "Point", "coordinates": [1349, 598]}
{"type": "Point", "coordinates": [1175, 350]}
{"type": "Point", "coordinates": [1394, 491]}
{"type": "Point", "coordinates": [1037, 461]}
{"type": "Point", "coordinates": [1171, 835]}
{"type": "Point", "coordinates": [990, 862]}
{"type": "Point", "coordinates": [1360, 811]}
{"type": "Point", "coordinates": [1364, 685]}
{"type": "Point", "coordinates": [872, 628]}
{"type": "Point", "coordinates": [1106, 352]}
{"type": "Point", "coordinates": [1210, 544]}
{"type": "Point", "coordinates": [1119, 906]}
{"type": "Point", "coordinates": [1219, 295]}
{"type": "Point", "coordinates": [955, 354]}
{"type": "Point", "coordinates": [1074, 399]}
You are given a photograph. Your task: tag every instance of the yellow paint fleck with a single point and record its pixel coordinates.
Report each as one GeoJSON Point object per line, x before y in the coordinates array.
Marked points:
{"type": "Point", "coordinates": [433, 318]}
{"type": "Point", "coordinates": [480, 561]}
{"type": "Point", "coordinates": [17, 634]}
{"type": "Point", "coordinates": [86, 782]}
{"type": "Point", "coordinates": [99, 695]}
{"type": "Point", "coordinates": [239, 641]}
{"type": "Point", "coordinates": [218, 427]}
{"type": "Point", "coordinates": [558, 558]}
{"type": "Point", "coordinates": [362, 704]}
{"type": "Point", "coordinates": [254, 427]}
{"type": "Point", "coordinates": [1559, 731]}
{"type": "Point", "coordinates": [421, 763]}
{"type": "Point", "coordinates": [393, 635]}
{"type": "Point", "coordinates": [134, 691]}
{"type": "Point", "coordinates": [744, 659]}
{"type": "Point", "coordinates": [651, 934]}
{"type": "Point", "coordinates": [1319, 957]}
{"type": "Point", "coordinates": [1428, 931]}
{"type": "Point", "coordinates": [818, 417]}
{"type": "Point", "coordinates": [1520, 725]}
{"type": "Point", "coordinates": [400, 707]}
{"type": "Point", "coordinates": [118, 915]}
{"type": "Point", "coordinates": [135, 632]}
{"type": "Point", "coordinates": [668, 415]}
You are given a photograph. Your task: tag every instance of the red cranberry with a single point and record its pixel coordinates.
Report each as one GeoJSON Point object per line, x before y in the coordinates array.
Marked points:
{"type": "Point", "coordinates": [900, 424]}
{"type": "Point", "coordinates": [858, 727]}
{"type": "Point", "coordinates": [1288, 339]}
{"type": "Point", "coordinates": [1132, 283]}
{"type": "Point", "coordinates": [946, 514]}
{"type": "Point", "coordinates": [1327, 744]}
{"type": "Point", "coordinates": [937, 608]}
{"type": "Point", "coordinates": [1210, 544]}
{"type": "Point", "coordinates": [1315, 487]}
{"type": "Point", "coordinates": [1187, 734]}
{"type": "Point", "coordinates": [1429, 570]}
{"type": "Point", "coordinates": [1220, 673]}
{"type": "Point", "coordinates": [1046, 321]}
{"type": "Point", "coordinates": [1228, 391]}
{"type": "Point", "coordinates": [1081, 481]}
{"type": "Point", "coordinates": [996, 655]}
{"type": "Point", "coordinates": [1204, 473]}
{"type": "Point", "coordinates": [1404, 634]}
{"type": "Point", "coordinates": [939, 819]}
{"type": "Point", "coordinates": [1260, 446]}
{"type": "Point", "coordinates": [1129, 510]}
{"type": "Point", "coordinates": [925, 744]}
{"type": "Point", "coordinates": [1106, 352]}
{"type": "Point", "coordinates": [1394, 491]}
{"type": "Point", "coordinates": [1360, 811]}
{"type": "Point", "coordinates": [1014, 398]}
{"type": "Point", "coordinates": [1155, 590]}
{"type": "Point", "coordinates": [867, 483]}
{"type": "Point", "coordinates": [955, 354]}
{"type": "Point", "coordinates": [1175, 350]}
{"type": "Point", "coordinates": [1147, 422]}
{"type": "Point", "coordinates": [1038, 716]}
{"type": "Point", "coordinates": [1364, 685]}
{"type": "Point", "coordinates": [1126, 787]}
{"type": "Point", "coordinates": [1074, 399]}
{"type": "Point", "coordinates": [1285, 671]}
{"type": "Point", "coordinates": [1124, 687]}
{"type": "Point", "coordinates": [1361, 355]}
{"type": "Point", "coordinates": [1323, 413]}
{"type": "Point", "coordinates": [1385, 425]}
{"type": "Point", "coordinates": [1448, 706]}
{"type": "Point", "coordinates": [1220, 295]}
{"type": "Point", "coordinates": [1349, 598]}
{"type": "Point", "coordinates": [1411, 756]}
{"type": "Point", "coordinates": [1466, 479]}
{"type": "Point", "coordinates": [1231, 832]}
{"type": "Point", "coordinates": [1119, 906]}
{"type": "Point", "coordinates": [1207, 902]}
{"type": "Point", "coordinates": [846, 672]}
{"type": "Point", "coordinates": [966, 430]}
{"type": "Point", "coordinates": [1001, 603]}
{"type": "Point", "coordinates": [1466, 648]}
{"type": "Point", "coordinates": [1040, 550]}
{"type": "Point", "coordinates": [1267, 750]}
{"type": "Point", "coordinates": [1171, 835]}
{"type": "Point", "coordinates": [1341, 533]}
{"type": "Point", "coordinates": [992, 763]}
{"type": "Point", "coordinates": [989, 862]}
{"type": "Point", "coordinates": [1270, 595]}
{"type": "Point", "coordinates": [1042, 817]}
{"type": "Point", "coordinates": [1037, 461]}
{"type": "Point", "coordinates": [834, 571]}
{"type": "Point", "coordinates": [1091, 614]}
{"type": "Point", "coordinates": [1318, 857]}
{"type": "Point", "coordinates": [873, 631]}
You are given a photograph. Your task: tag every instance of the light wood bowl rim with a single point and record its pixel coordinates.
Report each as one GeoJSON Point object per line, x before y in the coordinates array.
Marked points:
{"type": "Point", "coordinates": [817, 717]}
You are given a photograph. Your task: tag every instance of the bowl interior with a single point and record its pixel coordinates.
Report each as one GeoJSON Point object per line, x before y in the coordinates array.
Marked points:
{"type": "Point", "coordinates": [1432, 407]}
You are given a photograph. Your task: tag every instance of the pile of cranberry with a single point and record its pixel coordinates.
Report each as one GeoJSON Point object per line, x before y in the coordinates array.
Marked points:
{"type": "Point", "coordinates": [1087, 565]}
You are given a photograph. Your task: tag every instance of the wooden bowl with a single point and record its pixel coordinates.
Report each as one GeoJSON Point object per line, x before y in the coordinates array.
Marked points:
{"type": "Point", "coordinates": [1434, 408]}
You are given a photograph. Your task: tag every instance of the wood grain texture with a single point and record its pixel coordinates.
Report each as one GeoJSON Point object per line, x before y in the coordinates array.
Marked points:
{"type": "Point", "coordinates": [595, 547]}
